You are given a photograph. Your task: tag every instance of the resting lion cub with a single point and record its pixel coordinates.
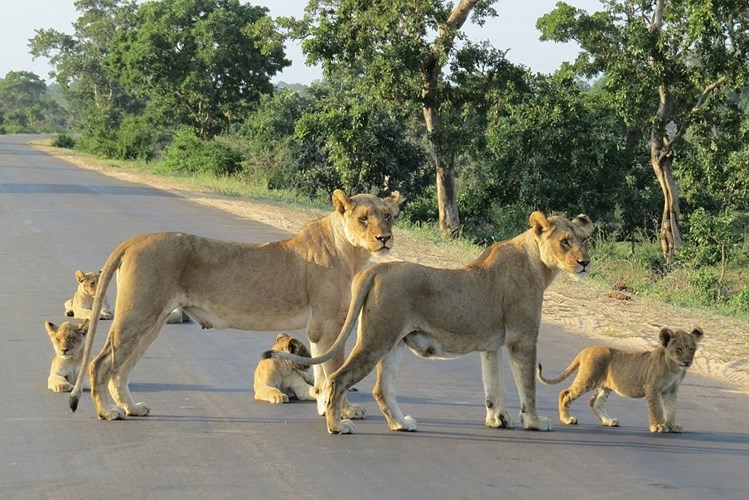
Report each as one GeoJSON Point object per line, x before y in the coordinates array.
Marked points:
{"type": "Point", "coordinates": [655, 375]}
{"type": "Point", "coordinates": [80, 305]}
{"type": "Point", "coordinates": [67, 339]}
{"type": "Point", "coordinates": [276, 379]}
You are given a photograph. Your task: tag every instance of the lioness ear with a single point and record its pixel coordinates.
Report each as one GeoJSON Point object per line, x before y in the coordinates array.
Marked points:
{"type": "Point", "coordinates": [539, 222]}
{"type": "Point", "coordinates": [281, 336]}
{"type": "Point", "coordinates": [584, 223]}
{"type": "Point", "coordinates": [51, 328]}
{"type": "Point", "coordinates": [80, 275]}
{"type": "Point", "coordinates": [341, 202]}
{"type": "Point", "coordinates": [697, 333]}
{"type": "Point", "coordinates": [395, 200]}
{"type": "Point", "coordinates": [665, 336]}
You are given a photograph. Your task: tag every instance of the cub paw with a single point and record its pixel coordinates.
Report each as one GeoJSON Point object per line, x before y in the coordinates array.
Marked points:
{"type": "Point", "coordinates": [278, 399]}
{"type": "Point", "coordinates": [61, 387]}
{"type": "Point", "coordinates": [353, 411]}
{"type": "Point", "coordinates": [571, 420]}
{"type": "Point", "coordinates": [658, 428]}
{"type": "Point", "coordinates": [611, 422]}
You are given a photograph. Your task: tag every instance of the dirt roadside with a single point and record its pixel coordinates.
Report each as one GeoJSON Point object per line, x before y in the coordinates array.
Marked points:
{"type": "Point", "coordinates": [582, 308]}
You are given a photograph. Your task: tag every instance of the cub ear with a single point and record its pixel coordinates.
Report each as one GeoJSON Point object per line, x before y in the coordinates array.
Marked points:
{"type": "Point", "coordinates": [80, 276]}
{"type": "Point", "coordinates": [584, 223]}
{"type": "Point", "coordinates": [298, 348]}
{"type": "Point", "coordinates": [341, 202]}
{"type": "Point", "coordinates": [539, 222]}
{"type": "Point", "coordinates": [281, 336]}
{"type": "Point", "coordinates": [83, 327]}
{"type": "Point", "coordinates": [394, 201]}
{"type": "Point", "coordinates": [665, 336]}
{"type": "Point", "coordinates": [51, 327]}
{"type": "Point", "coordinates": [697, 333]}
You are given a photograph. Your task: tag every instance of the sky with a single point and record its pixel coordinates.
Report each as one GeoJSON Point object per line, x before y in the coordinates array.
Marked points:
{"type": "Point", "coordinates": [514, 28]}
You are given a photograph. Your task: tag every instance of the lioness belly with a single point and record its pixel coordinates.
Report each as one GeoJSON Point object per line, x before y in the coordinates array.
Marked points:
{"type": "Point", "coordinates": [248, 320]}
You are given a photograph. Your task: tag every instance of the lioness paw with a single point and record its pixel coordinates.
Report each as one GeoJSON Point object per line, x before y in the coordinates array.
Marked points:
{"type": "Point", "coordinates": [139, 410]}
{"type": "Point", "coordinates": [675, 428]}
{"type": "Point", "coordinates": [342, 427]}
{"type": "Point", "coordinates": [497, 420]}
{"type": "Point", "coordinates": [113, 413]}
{"type": "Point", "coordinates": [535, 423]}
{"type": "Point", "coordinates": [408, 424]}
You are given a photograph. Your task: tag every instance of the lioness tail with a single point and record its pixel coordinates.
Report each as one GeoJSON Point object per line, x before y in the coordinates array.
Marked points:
{"type": "Point", "coordinates": [107, 272]}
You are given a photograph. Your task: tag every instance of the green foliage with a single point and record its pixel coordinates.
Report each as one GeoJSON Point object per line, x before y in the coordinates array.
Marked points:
{"type": "Point", "coordinates": [64, 141]}
{"type": "Point", "coordinates": [189, 154]}
{"type": "Point", "coordinates": [200, 62]}
{"type": "Point", "coordinates": [26, 107]}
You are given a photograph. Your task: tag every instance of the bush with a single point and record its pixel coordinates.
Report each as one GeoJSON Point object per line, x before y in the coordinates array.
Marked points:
{"type": "Point", "coordinates": [64, 141]}
{"type": "Point", "coordinates": [188, 154]}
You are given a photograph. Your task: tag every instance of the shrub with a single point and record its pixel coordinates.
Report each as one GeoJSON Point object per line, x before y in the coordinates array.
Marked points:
{"type": "Point", "coordinates": [64, 141]}
{"type": "Point", "coordinates": [188, 154]}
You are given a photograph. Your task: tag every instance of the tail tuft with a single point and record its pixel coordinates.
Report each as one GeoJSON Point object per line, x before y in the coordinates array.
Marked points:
{"type": "Point", "coordinates": [268, 354]}
{"type": "Point", "coordinates": [73, 402]}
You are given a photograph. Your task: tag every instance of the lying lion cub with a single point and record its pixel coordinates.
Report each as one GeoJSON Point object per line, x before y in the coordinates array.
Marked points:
{"type": "Point", "coordinates": [655, 375]}
{"type": "Point", "coordinates": [80, 305]}
{"type": "Point", "coordinates": [67, 339]}
{"type": "Point", "coordinates": [276, 380]}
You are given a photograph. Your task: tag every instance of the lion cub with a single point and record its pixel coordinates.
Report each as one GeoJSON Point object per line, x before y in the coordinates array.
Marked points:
{"type": "Point", "coordinates": [80, 305]}
{"type": "Point", "coordinates": [67, 339]}
{"type": "Point", "coordinates": [654, 375]}
{"type": "Point", "coordinates": [276, 379]}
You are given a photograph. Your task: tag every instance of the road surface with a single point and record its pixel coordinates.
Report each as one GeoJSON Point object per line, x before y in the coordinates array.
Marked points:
{"type": "Point", "coordinates": [207, 438]}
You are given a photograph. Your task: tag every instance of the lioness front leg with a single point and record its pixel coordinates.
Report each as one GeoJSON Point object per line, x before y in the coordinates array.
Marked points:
{"type": "Point", "coordinates": [494, 390]}
{"type": "Point", "coordinates": [523, 363]}
{"type": "Point", "coordinates": [384, 391]}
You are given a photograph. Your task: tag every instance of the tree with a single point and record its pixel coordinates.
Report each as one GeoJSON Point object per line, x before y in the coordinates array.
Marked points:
{"type": "Point", "coordinates": [25, 105]}
{"type": "Point", "coordinates": [400, 49]}
{"type": "Point", "coordinates": [202, 61]}
{"type": "Point", "coordinates": [664, 60]}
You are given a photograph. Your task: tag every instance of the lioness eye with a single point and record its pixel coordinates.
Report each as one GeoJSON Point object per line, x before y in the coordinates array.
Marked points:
{"type": "Point", "coordinates": [388, 216]}
{"type": "Point", "coordinates": [363, 220]}
{"type": "Point", "coordinates": [678, 349]}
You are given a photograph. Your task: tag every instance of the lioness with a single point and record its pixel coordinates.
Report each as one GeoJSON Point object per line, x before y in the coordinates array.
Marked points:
{"type": "Point", "coordinates": [290, 284]}
{"type": "Point", "coordinates": [277, 379]}
{"type": "Point", "coordinates": [443, 313]}
{"type": "Point", "coordinates": [67, 339]}
{"type": "Point", "coordinates": [80, 305]}
{"type": "Point", "coordinates": [654, 375]}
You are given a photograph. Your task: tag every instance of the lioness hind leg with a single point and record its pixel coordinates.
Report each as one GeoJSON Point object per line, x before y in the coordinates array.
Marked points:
{"type": "Point", "coordinates": [597, 404]}
{"type": "Point", "coordinates": [384, 391]}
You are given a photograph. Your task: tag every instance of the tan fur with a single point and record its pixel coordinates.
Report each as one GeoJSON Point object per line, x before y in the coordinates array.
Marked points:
{"type": "Point", "coordinates": [290, 284]}
{"type": "Point", "coordinates": [68, 340]}
{"type": "Point", "coordinates": [443, 313]}
{"type": "Point", "coordinates": [276, 379]}
{"type": "Point", "coordinates": [654, 375]}
{"type": "Point", "coordinates": [80, 305]}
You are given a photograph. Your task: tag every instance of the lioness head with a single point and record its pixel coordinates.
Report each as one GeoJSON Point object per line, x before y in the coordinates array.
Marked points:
{"type": "Point", "coordinates": [680, 345]}
{"type": "Point", "coordinates": [88, 281]}
{"type": "Point", "coordinates": [67, 339]}
{"type": "Point", "coordinates": [563, 243]}
{"type": "Point", "coordinates": [290, 344]}
{"type": "Point", "coordinates": [368, 220]}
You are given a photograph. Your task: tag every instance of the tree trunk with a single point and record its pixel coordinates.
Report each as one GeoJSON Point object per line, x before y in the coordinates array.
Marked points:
{"type": "Point", "coordinates": [670, 234]}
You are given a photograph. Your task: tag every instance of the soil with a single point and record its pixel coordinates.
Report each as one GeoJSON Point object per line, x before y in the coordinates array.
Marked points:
{"type": "Point", "coordinates": [614, 316]}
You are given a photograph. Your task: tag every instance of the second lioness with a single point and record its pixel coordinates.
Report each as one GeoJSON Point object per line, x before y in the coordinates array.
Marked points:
{"type": "Point", "coordinates": [292, 284]}
{"type": "Point", "coordinates": [442, 313]}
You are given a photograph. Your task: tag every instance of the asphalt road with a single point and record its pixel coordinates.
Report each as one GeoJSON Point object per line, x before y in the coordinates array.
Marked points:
{"type": "Point", "coordinates": [207, 438]}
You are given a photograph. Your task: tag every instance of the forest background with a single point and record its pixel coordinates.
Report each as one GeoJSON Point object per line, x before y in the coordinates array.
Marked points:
{"type": "Point", "coordinates": [647, 131]}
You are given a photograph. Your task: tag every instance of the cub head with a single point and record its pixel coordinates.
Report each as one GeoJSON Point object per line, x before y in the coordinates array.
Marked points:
{"type": "Point", "coordinates": [368, 220]}
{"type": "Point", "coordinates": [67, 339]}
{"type": "Point", "coordinates": [563, 242]}
{"type": "Point", "coordinates": [88, 281]}
{"type": "Point", "coordinates": [290, 344]}
{"type": "Point", "coordinates": [680, 345]}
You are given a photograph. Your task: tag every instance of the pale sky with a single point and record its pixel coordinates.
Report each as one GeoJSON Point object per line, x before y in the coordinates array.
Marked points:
{"type": "Point", "coordinates": [514, 28]}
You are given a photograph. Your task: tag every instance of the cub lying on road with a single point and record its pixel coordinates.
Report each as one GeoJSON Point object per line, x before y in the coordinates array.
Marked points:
{"type": "Point", "coordinates": [304, 281]}
{"type": "Point", "coordinates": [67, 339]}
{"type": "Point", "coordinates": [655, 375]}
{"type": "Point", "coordinates": [443, 313]}
{"type": "Point", "coordinates": [80, 305]}
{"type": "Point", "coordinates": [277, 379]}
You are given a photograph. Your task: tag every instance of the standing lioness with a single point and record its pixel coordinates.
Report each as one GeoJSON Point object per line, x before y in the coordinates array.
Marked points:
{"type": "Point", "coordinates": [443, 313]}
{"type": "Point", "coordinates": [300, 282]}
{"type": "Point", "coordinates": [655, 375]}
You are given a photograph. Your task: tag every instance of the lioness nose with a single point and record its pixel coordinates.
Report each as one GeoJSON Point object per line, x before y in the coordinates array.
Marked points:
{"type": "Point", "coordinates": [383, 238]}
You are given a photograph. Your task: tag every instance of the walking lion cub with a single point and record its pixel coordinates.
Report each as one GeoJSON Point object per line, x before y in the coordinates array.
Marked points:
{"type": "Point", "coordinates": [655, 375]}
